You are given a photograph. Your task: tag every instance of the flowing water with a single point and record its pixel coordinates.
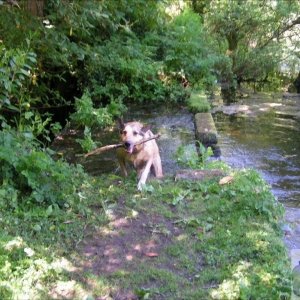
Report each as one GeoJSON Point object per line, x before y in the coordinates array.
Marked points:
{"type": "Point", "coordinates": [263, 132]}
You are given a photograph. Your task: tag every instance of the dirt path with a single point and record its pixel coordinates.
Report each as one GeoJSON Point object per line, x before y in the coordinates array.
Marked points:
{"type": "Point", "coordinates": [129, 239]}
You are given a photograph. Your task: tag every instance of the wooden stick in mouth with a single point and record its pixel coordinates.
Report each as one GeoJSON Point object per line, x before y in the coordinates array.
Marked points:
{"type": "Point", "coordinates": [114, 146]}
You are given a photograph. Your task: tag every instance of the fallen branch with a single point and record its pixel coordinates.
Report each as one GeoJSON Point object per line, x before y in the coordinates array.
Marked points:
{"type": "Point", "coordinates": [110, 147]}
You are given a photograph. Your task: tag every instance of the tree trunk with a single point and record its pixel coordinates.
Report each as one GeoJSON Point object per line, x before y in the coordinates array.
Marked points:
{"type": "Point", "coordinates": [297, 83]}
{"type": "Point", "coordinates": [228, 86]}
{"type": "Point", "coordinates": [34, 7]}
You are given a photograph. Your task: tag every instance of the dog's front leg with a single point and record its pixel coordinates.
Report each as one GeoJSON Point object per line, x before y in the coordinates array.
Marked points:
{"type": "Point", "coordinates": [121, 160]}
{"type": "Point", "coordinates": [143, 175]}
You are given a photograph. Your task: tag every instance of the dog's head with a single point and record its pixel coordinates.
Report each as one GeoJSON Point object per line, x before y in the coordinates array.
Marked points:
{"type": "Point", "coordinates": [131, 134]}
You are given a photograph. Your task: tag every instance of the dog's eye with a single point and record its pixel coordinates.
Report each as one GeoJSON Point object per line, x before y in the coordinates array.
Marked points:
{"type": "Point", "coordinates": [135, 133]}
{"type": "Point", "coordinates": [124, 132]}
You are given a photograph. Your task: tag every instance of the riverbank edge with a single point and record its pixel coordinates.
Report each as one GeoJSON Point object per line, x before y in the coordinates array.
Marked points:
{"type": "Point", "coordinates": [206, 134]}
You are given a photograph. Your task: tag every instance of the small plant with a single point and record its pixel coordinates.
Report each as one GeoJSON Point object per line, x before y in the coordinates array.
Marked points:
{"type": "Point", "coordinates": [187, 156]}
{"type": "Point", "coordinates": [87, 144]}
{"type": "Point", "coordinates": [87, 115]}
{"type": "Point", "coordinates": [16, 78]}
{"type": "Point", "coordinates": [198, 103]}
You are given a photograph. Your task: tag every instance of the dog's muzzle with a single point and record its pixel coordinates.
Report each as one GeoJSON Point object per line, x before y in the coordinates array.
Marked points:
{"type": "Point", "coordinates": [129, 147]}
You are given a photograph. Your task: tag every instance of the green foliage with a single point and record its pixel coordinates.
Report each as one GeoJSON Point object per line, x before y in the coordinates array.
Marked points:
{"type": "Point", "coordinates": [198, 102]}
{"type": "Point", "coordinates": [16, 77]}
{"type": "Point", "coordinates": [36, 242]}
{"type": "Point", "coordinates": [187, 50]}
{"type": "Point", "coordinates": [254, 194]}
{"type": "Point", "coordinates": [30, 176]}
{"type": "Point", "coordinates": [87, 144]}
{"type": "Point", "coordinates": [253, 36]}
{"type": "Point", "coordinates": [87, 115]}
{"type": "Point", "coordinates": [187, 156]}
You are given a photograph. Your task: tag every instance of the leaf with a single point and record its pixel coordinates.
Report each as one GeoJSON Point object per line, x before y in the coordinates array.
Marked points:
{"type": "Point", "coordinates": [24, 72]}
{"type": "Point", "coordinates": [151, 254]}
{"type": "Point", "coordinates": [49, 210]}
{"type": "Point", "coordinates": [12, 107]}
{"type": "Point", "coordinates": [148, 188]}
{"type": "Point", "coordinates": [225, 180]}
{"type": "Point", "coordinates": [143, 293]}
{"type": "Point", "coordinates": [28, 115]}
{"type": "Point", "coordinates": [37, 227]}
{"type": "Point", "coordinates": [178, 198]}
{"type": "Point", "coordinates": [193, 222]}
{"type": "Point", "coordinates": [68, 222]}
{"type": "Point", "coordinates": [32, 57]}
{"type": "Point", "coordinates": [208, 227]}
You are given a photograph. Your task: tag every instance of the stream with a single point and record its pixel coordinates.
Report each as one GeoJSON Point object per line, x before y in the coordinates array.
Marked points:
{"type": "Point", "coordinates": [263, 132]}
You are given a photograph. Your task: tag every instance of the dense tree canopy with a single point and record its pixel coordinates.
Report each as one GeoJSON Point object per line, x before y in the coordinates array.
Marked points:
{"type": "Point", "coordinates": [258, 36]}
{"type": "Point", "coordinates": [122, 51]}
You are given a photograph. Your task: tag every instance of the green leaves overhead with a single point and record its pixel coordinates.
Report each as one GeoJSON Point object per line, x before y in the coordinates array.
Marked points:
{"type": "Point", "coordinates": [255, 35]}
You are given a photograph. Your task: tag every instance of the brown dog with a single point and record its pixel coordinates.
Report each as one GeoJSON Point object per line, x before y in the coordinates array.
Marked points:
{"type": "Point", "coordinates": [142, 156]}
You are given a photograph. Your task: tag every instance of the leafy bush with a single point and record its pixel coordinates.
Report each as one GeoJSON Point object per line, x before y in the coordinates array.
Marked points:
{"type": "Point", "coordinates": [123, 70]}
{"type": "Point", "coordinates": [87, 115]}
{"type": "Point", "coordinates": [30, 175]}
{"type": "Point", "coordinates": [87, 144]}
{"type": "Point", "coordinates": [187, 49]}
{"type": "Point", "coordinates": [16, 77]}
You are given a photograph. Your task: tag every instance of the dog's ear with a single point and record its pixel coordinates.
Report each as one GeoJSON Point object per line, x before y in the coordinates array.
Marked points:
{"type": "Point", "coordinates": [120, 123]}
{"type": "Point", "coordinates": [145, 128]}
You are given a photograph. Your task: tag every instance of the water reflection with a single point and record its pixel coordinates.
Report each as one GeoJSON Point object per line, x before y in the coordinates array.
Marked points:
{"type": "Point", "coordinates": [265, 137]}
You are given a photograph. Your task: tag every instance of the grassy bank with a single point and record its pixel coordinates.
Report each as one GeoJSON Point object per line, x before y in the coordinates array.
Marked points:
{"type": "Point", "coordinates": [198, 103]}
{"type": "Point", "coordinates": [176, 240]}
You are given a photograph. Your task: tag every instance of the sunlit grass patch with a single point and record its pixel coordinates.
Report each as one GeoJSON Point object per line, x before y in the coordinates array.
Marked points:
{"type": "Point", "coordinates": [212, 241]}
{"type": "Point", "coordinates": [36, 244]}
{"type": "Point", "coordinates": [25, 272]}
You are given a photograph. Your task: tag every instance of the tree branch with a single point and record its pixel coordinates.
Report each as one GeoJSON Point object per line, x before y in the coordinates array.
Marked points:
{"type": "Point", "coordinates": [278, 33]}
{"type": "Point", "coordinates": [111, 147]}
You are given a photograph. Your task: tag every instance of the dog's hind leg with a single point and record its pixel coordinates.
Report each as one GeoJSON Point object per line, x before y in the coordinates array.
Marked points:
{"type": "Point", "coordinates": [157, 167]}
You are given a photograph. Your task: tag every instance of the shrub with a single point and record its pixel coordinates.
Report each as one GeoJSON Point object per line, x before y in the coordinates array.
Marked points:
{"type": "Point", "coordinates": [187, 49]}
{"type": "Point", "coordinates": [30, 175]}
{"type": "Point", "coordinates": [87, 115]}
{"type": "Point", "coordinates": [16, 77]}
{"type": "Point", "coordinates": [122, 69]}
